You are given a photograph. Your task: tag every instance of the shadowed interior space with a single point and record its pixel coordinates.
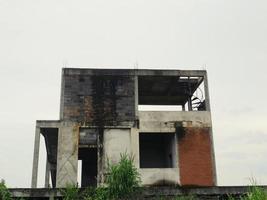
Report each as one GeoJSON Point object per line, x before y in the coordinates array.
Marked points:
{"type": "Point", "coordinates": [157, 150]}
{"type": "Point", "coordinates": [88, 157]}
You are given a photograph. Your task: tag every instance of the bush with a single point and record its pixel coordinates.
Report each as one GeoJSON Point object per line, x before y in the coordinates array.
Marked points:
{"type": "Point", "coordinates": [256, 193]}
{"type": "Point", "coordinates": [4, 193]}
{"type": "Point", "coordinates": [71, 192]}
{"type": "Point", "coordinates": [122, 181]}
{"type": "Point", "coordinates": [92, 193]}
{"type": "Point", "coordinates": [123, 178]}
{"type": "Point", "coordinates": [189, 197]}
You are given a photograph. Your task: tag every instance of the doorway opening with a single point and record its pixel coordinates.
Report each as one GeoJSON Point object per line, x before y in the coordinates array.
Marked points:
{"type": "Point", "coordinates": [88, 158]}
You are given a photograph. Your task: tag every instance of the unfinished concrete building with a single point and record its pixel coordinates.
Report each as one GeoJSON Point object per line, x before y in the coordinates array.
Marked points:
{"type": "Point", "coordinates": [161, 117]}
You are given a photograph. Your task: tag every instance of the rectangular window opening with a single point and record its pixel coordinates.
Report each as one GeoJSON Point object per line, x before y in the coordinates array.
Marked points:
{"type": "Point", "coordinates": [157, 150]}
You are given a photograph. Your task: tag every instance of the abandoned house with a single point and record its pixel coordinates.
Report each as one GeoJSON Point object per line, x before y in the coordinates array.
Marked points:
{"type": "Point", "coordinates": [161, 117]}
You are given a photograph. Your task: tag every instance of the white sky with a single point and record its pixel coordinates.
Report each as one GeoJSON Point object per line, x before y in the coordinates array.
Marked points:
{"type": "Point", "coordinates": [226, 37]}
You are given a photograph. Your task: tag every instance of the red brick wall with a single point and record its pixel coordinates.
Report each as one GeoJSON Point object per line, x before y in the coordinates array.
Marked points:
{"type": "Point", "coordinates": [194, 147]}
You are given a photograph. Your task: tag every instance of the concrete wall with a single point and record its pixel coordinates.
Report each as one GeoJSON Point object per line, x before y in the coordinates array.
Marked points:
{"type": "Point", "coordinates": [116, 141]}
{"type": "Point", "coordinates": [97, 99]}
{"type": "Point", "coordinates": [194, 135]}
{"type": "Point", "coordinates": [200, 193]}
{"type": "Point", "coordinates": [157, 121]}
{"type": "Point", "coordinates": [159, 176]}
{"type": "Point", "coordinates": [67, 156]}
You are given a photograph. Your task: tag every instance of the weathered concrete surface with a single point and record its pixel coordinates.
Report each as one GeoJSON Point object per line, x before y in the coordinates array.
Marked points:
{"type": "Point", "coordinates": [97, 96]}
{"type": "Point", "coordinates": [157, 121]}
{"type": "Point", "coordinates": [159, 176]}
{"type": "Point", "coordinates": [116, 141]}
{"type": "Point", "coordinates": [67, 158]}
{"type": "Point", "coordinates": [148, 193]}
{"type": "Point", "coordinates": [35, 157]}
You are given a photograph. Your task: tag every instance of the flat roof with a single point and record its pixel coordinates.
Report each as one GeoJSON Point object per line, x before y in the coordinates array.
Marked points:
{"type": "Point", "coordinates": [138, 72]}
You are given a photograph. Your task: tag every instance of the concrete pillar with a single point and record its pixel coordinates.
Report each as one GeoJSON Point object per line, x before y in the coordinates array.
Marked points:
{"type": "Point", "coordinates": [67, 156]}
{"type": "Point", "coordinates": [189, 102]}
{"type": "Point", "coordinates": [135, 146]}
{"type": "Point", "coordinates": [207, 105]}
{"type": "Point", "coordinates": [136, 96]}
{"type": "Point", "coordinates": [35, 157]}
{"type": "Point", "coordinates": [47, 174]}
{"type": "Point", "coordinates": [207, 96]}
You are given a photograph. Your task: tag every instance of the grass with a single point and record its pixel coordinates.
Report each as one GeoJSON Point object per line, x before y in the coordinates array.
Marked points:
{"type": "Point", "coordinates": [70, 192]}
{"type": "Point", "coordinates": [255, 193]}
{"type": "Point", "coordinates": [122, 181]}
{"type": "Point", "coordinates": [123, 178]}
{"type": "Point", "coordinates": [4, 193]}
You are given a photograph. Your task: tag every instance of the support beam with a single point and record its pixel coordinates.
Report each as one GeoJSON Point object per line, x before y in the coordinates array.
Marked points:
{"type": "Point", "coordinates": [189, 102]}
{"type": "Point", "coordinates": [47, 174]}
{"type": "Point", "coordinates": [136, 97]}
{"type": "Point", "coordinates": [35, 157]}
{"type": "Point", "coordinates": [207, 105]}
{"type": "Point", "coordinates": [207, 96]}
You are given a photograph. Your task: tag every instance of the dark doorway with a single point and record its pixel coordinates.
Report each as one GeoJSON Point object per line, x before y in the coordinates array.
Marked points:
{"type": "Point", "coordinates": [88, 156]}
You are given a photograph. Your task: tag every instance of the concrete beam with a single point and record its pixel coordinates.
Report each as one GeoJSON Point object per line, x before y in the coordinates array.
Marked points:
{"type": "Point", "coordinates": [127, 72]}
{"type": "Point", "coordinates": [157, 121]}
{"type": "Point", "coordinates": [48, 123]}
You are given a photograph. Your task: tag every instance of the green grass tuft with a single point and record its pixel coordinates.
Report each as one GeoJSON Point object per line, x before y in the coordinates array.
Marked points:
{"type": "Point", "coordinates": [123, 178]}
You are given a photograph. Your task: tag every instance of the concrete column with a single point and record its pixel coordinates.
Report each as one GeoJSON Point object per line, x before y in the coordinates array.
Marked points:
{"type": "Point", "coordinates": [47, 174]}
{"type": "Point", "coordinates": [135, 146]}
{"type": "Point", "coordinates": [207, 104]}
{"type": "Point", "coordinates": [67, 156]}
{"type": "Point", "coordinates": [35, 157]}
{"type": "Point", "coordinates": [207, 96]}
{"type": "Point", "coordinates": [136, 96]}
{"type": "Point", "coordinates": [189, 104]}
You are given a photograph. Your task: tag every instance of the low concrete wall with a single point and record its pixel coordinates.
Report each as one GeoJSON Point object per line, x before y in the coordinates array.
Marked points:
{"type": "Point", "coordinates": [155, 121]}
{"type": "Point", "coordinates": [159, 176]}
{"type": "Point", "coordinates": [148, 193]}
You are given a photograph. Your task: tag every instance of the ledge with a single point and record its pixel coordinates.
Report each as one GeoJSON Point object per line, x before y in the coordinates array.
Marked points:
{"type": "Point", "coordinates": [147, 191]}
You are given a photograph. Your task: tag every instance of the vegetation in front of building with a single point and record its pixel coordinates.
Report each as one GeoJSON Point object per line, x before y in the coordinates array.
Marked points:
{"type": "Point", "coordinates": [122, 182]}
{"type": "Point", "coordinates": [255, 193]}
{"type": "Point", "coordinates": [122, 179]}
{"type": "Point", "coordinates": [4, 193]}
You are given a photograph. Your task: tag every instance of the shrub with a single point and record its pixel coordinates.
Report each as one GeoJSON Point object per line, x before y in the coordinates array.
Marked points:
{"type": "Point", "coordinates": [256, 193]}
{"type": "Point", "coordinates": [4, 193]}
{"type": "Point", "coordinates": [189, 197]}
{"type": "Point", "coordinates": [70, 192]}
{"type": "Point", "coordinates": [92, 193]}
{"type": "Point", "coordinates": [123, 178]}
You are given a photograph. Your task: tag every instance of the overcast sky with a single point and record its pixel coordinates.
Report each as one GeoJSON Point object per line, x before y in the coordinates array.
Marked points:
{"type": "Point", "coordinates": [228, 38]}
